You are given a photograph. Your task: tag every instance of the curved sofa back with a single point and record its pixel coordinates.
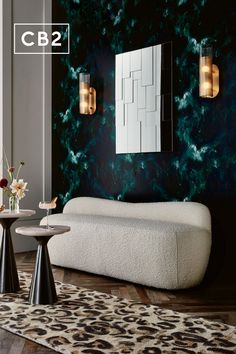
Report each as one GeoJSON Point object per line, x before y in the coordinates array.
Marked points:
{"type": "Point", "coordinates": [189, 213]}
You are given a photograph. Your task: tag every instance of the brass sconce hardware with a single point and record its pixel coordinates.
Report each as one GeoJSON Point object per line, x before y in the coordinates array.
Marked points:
{"type": "Point", "coordinates": [87, 95]}
{"type": "Point", "coordinates": [208, 74]}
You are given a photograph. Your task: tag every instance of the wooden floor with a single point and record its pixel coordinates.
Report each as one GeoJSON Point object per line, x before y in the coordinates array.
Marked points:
{"type": "Point", "coordinates": [215, 302]}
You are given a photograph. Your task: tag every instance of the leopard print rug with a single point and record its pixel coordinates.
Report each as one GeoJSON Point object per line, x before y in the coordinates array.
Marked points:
{"type": "Point", "coordinates": [87, 321]}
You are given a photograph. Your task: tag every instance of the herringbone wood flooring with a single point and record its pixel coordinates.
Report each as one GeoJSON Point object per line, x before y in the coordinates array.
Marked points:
{"type": "Point", "coordinates": [215, 302]}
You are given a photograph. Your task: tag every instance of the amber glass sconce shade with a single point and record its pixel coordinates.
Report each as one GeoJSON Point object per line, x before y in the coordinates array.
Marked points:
{"type": "Point", "coordinates": [87, 95]}
{"type": "Point", "coordinates": [208, 74]}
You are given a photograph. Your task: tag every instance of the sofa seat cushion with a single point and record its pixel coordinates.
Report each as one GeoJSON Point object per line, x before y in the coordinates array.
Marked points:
{"type": "Point", "coordinates": [155, 253]}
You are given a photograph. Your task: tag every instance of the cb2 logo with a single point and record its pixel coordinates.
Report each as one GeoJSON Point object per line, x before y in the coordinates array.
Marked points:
{"type": "Point", "coordinates": [41, 38]}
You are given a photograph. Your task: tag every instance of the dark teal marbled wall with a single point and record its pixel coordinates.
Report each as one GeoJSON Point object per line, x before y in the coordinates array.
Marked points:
{"type": "Point", "coordinates": [203, 165]}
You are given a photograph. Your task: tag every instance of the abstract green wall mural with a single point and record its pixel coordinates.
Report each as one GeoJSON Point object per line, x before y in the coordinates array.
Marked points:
{"type": "Point", "coordinates": [203, 164]}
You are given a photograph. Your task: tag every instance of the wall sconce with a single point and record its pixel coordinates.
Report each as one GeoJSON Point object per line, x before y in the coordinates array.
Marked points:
{"type": "Point", "coordinates": [87, 94]}
{"type": "Point", "coordinates": [208, 74]}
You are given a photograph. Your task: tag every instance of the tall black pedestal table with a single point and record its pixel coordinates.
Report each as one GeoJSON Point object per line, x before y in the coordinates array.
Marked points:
{"type": "Point", "coordinates": [42, 290]}
{"type": "Point", "coordinates": [9, 282]}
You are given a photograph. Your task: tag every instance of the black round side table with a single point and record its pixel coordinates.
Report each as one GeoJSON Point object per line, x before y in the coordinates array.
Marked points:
{"type": "Point", "coordinates": [9, 282]}
{"type": "Point", "coordinates": [42, 290]}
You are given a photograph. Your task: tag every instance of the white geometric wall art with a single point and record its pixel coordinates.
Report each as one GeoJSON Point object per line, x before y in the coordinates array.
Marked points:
{"type": "Point", "coordinates": [143, 97]}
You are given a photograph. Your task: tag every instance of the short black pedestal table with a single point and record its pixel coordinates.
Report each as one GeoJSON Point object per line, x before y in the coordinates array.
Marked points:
{"type": "Point", "coordinates": [42, 290]}
{"type": "Point", "coordinates": [9, 282]}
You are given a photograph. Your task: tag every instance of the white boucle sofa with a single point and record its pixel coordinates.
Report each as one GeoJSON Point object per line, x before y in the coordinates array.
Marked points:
{"type": "Point", "coordinates": [164, 244]}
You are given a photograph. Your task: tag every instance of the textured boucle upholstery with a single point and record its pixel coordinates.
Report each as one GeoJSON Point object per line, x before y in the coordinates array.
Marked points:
{"type": "Point", "coordinates": [166, 253]}
{"type": "Point", "coordinates": [180, 212]}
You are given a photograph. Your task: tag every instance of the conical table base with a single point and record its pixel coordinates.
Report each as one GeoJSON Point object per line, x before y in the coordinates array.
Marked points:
{"type": "Point", "coordinates": [42, 289]}
{"type": "Point", "coordinates": [9, 282]}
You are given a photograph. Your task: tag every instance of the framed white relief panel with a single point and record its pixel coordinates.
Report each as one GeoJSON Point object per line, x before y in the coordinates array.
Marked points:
{"type": "Point", "coordinates": [143, 97]}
